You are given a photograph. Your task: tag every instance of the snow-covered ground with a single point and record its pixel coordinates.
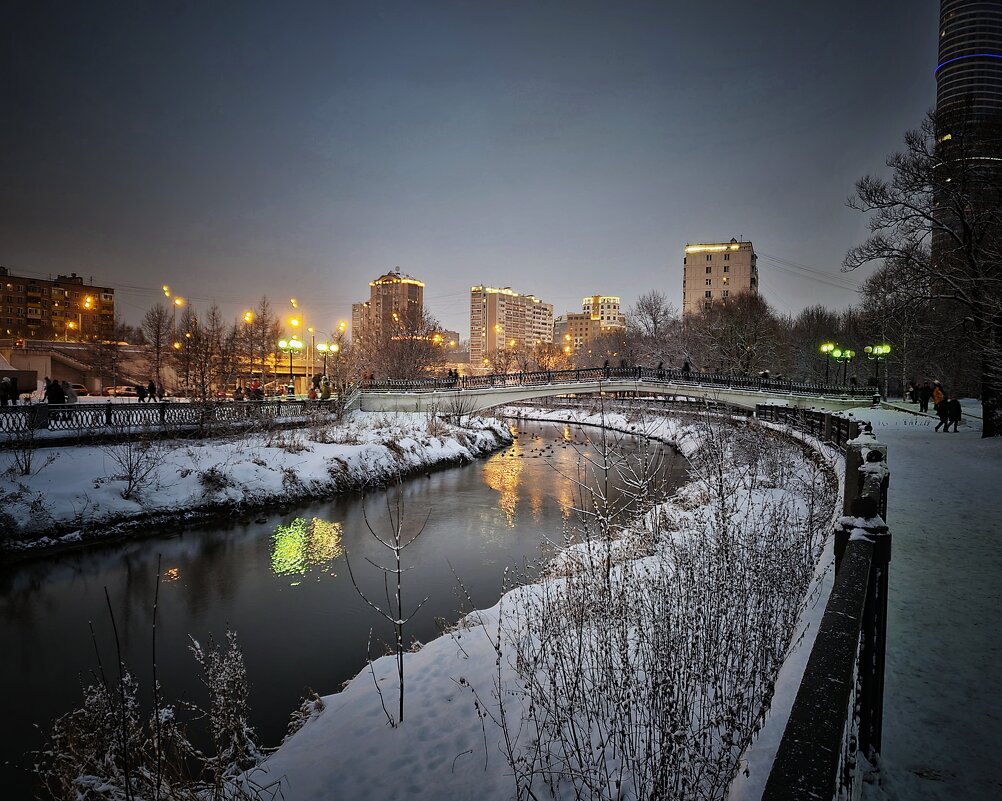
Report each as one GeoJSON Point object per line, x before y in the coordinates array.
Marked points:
{"type": "Point", "coordinates": [78, 491]}
{"type": "Point", "coordinates": [943, 685]}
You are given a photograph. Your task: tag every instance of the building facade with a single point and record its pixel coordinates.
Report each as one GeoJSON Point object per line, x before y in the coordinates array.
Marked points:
{"type": "Point", "coordinates": [969, 71]}
{"type": "Point", "coordinates": [63, 309]}
{"type": "Point", "coordinates": [502, 318]}
{"type": "Point", "coordinates": [600, 314]}
{"type": "Point", "coordinates": [716, 271]}
{"type": "Point", "coordinates": [396, 302]}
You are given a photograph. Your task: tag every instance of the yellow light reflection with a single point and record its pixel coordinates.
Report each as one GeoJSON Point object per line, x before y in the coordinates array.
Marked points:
{"type": "Point", "coordinates": [502, 473]}
{"type": "Point", "coordinates": [171, 574]}
{"type": "Point", "coordinates": [304, 545]}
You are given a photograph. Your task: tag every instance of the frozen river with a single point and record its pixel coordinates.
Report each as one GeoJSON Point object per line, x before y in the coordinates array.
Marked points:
{"type": "Point", "coordinates": [279, 580]}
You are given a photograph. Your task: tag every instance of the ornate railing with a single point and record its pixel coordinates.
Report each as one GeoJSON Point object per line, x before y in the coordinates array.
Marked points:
{"type": "Point", "coordinates": [648, 375]}
{"type": "Point", "coordinates": [99, 418]}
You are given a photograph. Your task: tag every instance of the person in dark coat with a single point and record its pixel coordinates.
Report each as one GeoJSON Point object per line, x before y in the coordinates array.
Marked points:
{"type": "Point", "coordinates": [151, 391]}
{"type": "Point", "coordinates": [686, 367]}
{"type": "Point", "coordinates": [53, 392]}
{"type": "Point", "coordinates": [14, 394]}
{"type": "Point", "coordinates": [924, 393]}
{"type": "Point", "coordinates": [953, 412]}
{"type": "Point", "coordinates": [5, 391]}
{"type": "Point", "coordinates": [141, 392]}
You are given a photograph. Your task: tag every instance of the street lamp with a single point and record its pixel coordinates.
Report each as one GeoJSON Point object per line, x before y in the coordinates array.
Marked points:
{"type": "Point", "coordinates": [291, 347]}
{"type": "Point", "coordinates": [875, 353]}
{"type": "Point", "coordinates": [827, 349]}
{"type": "Point", "coordinates": [325, 348]}
{"type": "Point", "coordinates": [843, 357]}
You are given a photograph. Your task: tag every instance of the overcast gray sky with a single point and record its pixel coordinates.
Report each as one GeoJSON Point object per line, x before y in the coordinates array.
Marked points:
{"type": "Point", "coordinates": [235, 149]}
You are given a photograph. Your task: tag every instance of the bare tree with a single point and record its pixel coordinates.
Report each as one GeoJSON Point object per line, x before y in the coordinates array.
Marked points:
{"type": "Point", "coordinates": [395, 542]}
{"type": "Point", "coordinates": [405, 349]}
{"type": "Point", "coordinates": [935, 225]}
{"type": "Point", "coordinates": [156, 328]}
{"type": "Point", "coordinates": [738, 335]}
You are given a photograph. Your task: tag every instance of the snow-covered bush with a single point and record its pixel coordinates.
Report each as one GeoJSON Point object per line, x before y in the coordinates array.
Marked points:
{"type": "Point", "coordinates": [106, 749]}
{"type": "Point", "coordinates": [646, 677]}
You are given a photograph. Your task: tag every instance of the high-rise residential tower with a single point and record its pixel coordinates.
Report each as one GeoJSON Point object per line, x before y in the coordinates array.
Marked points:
{"type": "Point", "coordinates": [502, 318]}
{"type": "Point", "coordinates": [969, 72]}
{"type": "Point", "coordinates": [715, 271]}
{"type": "Point", "coordinates": [395, 301]}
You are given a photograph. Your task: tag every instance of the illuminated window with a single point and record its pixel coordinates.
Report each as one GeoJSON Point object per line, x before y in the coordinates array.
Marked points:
{"type": "Point", "coordinates": [726, 279]}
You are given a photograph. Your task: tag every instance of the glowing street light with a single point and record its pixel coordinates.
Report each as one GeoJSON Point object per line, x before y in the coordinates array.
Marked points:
{"type": "Point", "coordinates": [843, 357]}
{"type": "Point", "coordinates": [290, 346]}
{"type": "Point", "coordinates": [875, 353]}
{"type": "Point", "coordinates": [827, 349]}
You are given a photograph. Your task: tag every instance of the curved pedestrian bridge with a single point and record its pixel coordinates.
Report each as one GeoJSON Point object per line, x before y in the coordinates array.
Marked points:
{"type": "Point", "coordinates": [471, 394]}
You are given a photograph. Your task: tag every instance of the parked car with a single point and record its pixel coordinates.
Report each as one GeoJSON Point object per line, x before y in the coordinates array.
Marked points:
{"type": "Point", "coordinates": [81, 390]}
{"type": "Point", "coordinates": [120, 392]}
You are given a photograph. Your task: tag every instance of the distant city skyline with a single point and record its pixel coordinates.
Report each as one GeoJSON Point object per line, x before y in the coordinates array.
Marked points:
{"type": "Point", "coordinates": [235, 151]}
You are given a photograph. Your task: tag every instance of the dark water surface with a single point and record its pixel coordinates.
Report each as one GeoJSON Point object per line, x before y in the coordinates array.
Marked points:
{"type": "Point", "coordinates": [279, 580]}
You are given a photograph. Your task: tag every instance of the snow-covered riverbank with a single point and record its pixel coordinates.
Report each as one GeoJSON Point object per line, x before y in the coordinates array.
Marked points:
{"type": "Point", "coordinates": [582, 655]}
{"type": "Point", "coordinates": [74, 494]}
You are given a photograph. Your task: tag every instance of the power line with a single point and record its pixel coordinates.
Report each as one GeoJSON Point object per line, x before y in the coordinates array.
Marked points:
{"type": "Point", "coordinates": [803, 271]}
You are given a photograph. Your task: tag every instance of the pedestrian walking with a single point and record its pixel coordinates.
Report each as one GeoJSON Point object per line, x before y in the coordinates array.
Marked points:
{"type": "Point", "coordinates": [941, 407]}
{"type": "Point", "coordinates": [14, 394]}
{"type": "Point", "coordinates": [938, 395]}
{"type": "Point", "coordinates": [924, 393]}
{"type": "Point", "coordinates": [6, 391]}
{"type": "Point", "coordinates": [160, 393]}
{"type": "Point", "coordinates": [151, 391]}
{"type": "Point", "coordinates": [953, 412]}
{"type": "Point", "coordinates": [141, 392]}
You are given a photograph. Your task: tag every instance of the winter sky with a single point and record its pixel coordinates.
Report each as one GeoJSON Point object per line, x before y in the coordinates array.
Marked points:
{"type": "Point", "coordinates": [300, 149]}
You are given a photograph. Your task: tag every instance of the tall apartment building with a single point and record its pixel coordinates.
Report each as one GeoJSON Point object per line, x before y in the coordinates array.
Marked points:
{"type": "Point", "coordinates": [605, 309]}
{"type": "Point", "coordinates": [395, 301]}
{"type": "Point", "coordinates": [715, 271]}
{"type": "Point", "coordinates": [502, 318]}
{"type": "Point", "coordinates": [65, 308]}
{"type": "Point", "coordinates": [969, 71]}
{"type": "Point", "coordinates": [600, 314]}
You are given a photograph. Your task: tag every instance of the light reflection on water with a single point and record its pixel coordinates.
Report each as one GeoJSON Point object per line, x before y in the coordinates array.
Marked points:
{"type": "Point", "coordinates": [302, 546]}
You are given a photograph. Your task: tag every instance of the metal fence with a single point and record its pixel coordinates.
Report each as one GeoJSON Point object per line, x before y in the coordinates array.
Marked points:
{"type": "Point", "coordinates": [648, 375]}
{"type": "Point", "coordinates": [838, 711]}
{"type": "Point", "coordinates": [94, 418]}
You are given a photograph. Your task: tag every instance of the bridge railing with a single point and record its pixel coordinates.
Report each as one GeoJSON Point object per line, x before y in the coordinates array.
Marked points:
{"type": "Point", "coordinates": [97, 418]}
{"type": "Point", "coordinates": [648, 375]}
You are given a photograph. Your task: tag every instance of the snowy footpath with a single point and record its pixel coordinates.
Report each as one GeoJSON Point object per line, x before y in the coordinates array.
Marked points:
{"type": "Point", "coordinates": [943, 687]}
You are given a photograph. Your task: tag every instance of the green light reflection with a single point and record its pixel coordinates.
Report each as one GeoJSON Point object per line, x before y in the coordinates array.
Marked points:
{"type": "Point", "coordinates": [304, 545]}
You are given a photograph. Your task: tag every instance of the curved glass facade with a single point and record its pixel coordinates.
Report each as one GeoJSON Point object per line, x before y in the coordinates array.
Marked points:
{"type": "Point", "coordinates": [969, 73]}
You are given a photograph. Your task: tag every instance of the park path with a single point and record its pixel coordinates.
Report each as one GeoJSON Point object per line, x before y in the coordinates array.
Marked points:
{"type": "Point", "coordinates": [942, 732]}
